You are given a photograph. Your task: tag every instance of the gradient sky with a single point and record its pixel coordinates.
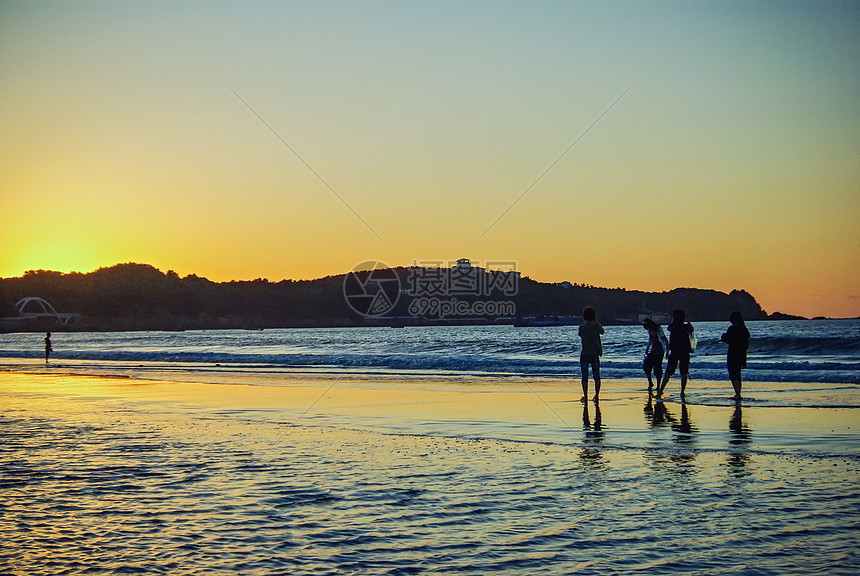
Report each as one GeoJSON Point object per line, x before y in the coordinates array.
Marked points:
{"type": "Point", "coordinates": [733, 162]}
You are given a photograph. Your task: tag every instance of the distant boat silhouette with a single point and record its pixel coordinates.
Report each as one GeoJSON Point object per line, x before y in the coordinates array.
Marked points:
{"type": "Point", "coordinates": [546, 320]}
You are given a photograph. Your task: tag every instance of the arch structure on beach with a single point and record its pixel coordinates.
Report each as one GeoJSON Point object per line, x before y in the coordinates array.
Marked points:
{"type": "Point", "coordinates": [48, 311]}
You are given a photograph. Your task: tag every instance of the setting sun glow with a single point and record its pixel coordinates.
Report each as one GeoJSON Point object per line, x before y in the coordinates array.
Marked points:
{"type": "Point", "coordinates": [295, 140]}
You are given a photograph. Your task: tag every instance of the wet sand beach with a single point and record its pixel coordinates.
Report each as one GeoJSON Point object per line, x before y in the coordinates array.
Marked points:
{"type": "Point", "coordinates": [365, 476]}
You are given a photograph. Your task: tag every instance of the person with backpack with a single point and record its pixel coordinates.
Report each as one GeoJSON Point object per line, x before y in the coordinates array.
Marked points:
{"type": "Point", "coordinates": [681, 346]}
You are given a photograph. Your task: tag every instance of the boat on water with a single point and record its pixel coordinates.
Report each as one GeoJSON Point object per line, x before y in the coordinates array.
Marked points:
{"type": "Point", "coordinates": [546, 320]}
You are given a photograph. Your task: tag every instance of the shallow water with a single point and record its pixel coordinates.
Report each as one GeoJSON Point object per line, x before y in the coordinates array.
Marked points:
{"type": "Point", "coordinates": [104, 482]}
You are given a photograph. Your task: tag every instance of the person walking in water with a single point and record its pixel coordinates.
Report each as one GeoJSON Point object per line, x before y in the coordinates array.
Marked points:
{"type": "Point", "coordinates": [680, 348]}
{"type": "Point", "coordinates": [48, 348]}
{"type": "Point", "coordinates": [738, 339]}
{"type": "Point", "coordinates": [592, 349]}
{"type": "Point", "coordinates": [654, 352]}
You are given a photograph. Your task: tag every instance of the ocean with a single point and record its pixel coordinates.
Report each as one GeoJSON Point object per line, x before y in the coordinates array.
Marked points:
{"type": "Point", "coordinates": [780, 351]}
{"type": "Point", "coordinates": [439, 450]}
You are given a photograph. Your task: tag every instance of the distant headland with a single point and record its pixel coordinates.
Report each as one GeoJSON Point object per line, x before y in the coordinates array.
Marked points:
{"type": "Point", "coordinates": [140, 297]}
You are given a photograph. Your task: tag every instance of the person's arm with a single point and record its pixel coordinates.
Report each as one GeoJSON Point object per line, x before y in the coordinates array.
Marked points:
{"type": "Point", "coordinates": [663, 340]}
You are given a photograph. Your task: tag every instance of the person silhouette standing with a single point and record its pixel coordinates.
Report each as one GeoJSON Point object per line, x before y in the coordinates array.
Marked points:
{"type": "Point", "coordinates": [738, 339]}
{"type": "Point", "coordinates": [654, 352]}
{"type": "Point", "coordinates": [592, 349]}
{"type": "Point", "coordinates": [48, 348]}
{"type": "Point", "coordinates": [680, 348]}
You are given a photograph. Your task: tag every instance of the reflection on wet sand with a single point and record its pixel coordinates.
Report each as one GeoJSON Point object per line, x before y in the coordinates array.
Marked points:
{"type": "Point", "coordinates": [685, 426]}
{"type": "Point", "coordinates": [685, 438]}
{"type": "Point", "coordinates": [187, 478]}
{"type": "Point", "coordinates": [739, 442]}
{"type": "Point", "coordinates": [591, 452]}
{"type": "Point", "coordinates": [656, 413]}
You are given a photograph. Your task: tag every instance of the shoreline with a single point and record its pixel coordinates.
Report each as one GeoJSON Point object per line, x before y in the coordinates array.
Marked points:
{"type": "Point", "coordinates": [547, 412]}
{"type": "Point", "coordinates": [705, 391]}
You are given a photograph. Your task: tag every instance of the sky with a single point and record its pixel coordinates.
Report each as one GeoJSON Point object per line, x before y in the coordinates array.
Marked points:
{"type": "Point", "coordinates": [645, 145]}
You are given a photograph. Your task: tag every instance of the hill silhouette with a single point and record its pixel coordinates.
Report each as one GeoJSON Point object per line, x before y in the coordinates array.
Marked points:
{"type": "Point", "coordinates": [140, 297]}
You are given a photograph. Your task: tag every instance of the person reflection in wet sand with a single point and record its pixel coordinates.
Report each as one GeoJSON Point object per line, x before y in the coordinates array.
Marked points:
{"type": "Point", "coordinates": [685, 426]}
{"type": "Point", "coordinates": [593, 435]}
{"type": "Point", "coordinates": [685, 441]}
{"type": "Point", "coordinates": [739, 442]}
{"type": "Point", "coordinates": [657, 414]}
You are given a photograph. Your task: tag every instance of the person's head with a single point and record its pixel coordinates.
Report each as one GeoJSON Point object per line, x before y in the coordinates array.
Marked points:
{"type": "Point", "coordinates": [650, 325]}
{"type": "Point", "coordinates": [588, 314]}
{"type": "Point", "coordinates": [678, 316]}
{"type": "Point", "coordinates": [736, 318]}
{"type": "Point", "coordinates": [48, 334]}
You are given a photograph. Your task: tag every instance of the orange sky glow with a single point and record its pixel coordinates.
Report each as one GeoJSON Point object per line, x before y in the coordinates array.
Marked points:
{"type": "Point", "coordinates": [297, 139]}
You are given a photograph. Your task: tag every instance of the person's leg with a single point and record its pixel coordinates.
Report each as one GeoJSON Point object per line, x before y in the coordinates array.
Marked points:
{"type": "Point", "coordinates": [736, 384]}
{"type": "Point", "coordinates": [595, 372]}
{"type": "Point", "coordinates": [670, 369]}
{"type": "Point", "coordinates": [735, 377]}
{"type": "Point", "coordinates": [684, 365]}
{"type": "Point", "coordinates": [648, 366]}
{"type": "Point", "coordinates": [583, 367]}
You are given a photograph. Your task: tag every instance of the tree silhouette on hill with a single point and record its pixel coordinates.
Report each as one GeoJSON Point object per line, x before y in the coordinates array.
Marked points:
{"type": "Point", "coordinates": [133, 296]}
